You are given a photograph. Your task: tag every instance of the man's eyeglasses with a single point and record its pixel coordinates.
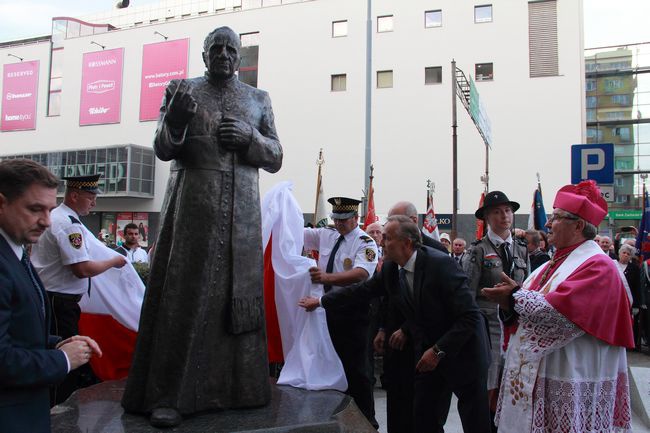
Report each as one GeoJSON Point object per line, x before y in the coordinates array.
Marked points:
{"type": "Point", "coordinates": [556, 216]}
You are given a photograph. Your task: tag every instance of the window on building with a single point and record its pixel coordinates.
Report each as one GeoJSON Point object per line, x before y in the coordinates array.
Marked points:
{"type": "Point", "coordinates": [615, 115]}
{"type": "Point", "coordinates": [612, 66]}
{"type": "Point", "coordinates": [384, 79]}
{"type": "Point", "coordinates": [339, 82]}
{"type": "Point", "coordinates": [591, 85]}
{"type": "Point", "coordinates": [433, 18]}
{"type": "Point", "coordinates": [612, 84]}
{"type": "Point", "coordinates": [621, 198]}
{"type": "Point", "coordinates": [339, 29]}
{"type": "Point", "coordinates": [621, 100]}
{"type": "Point", "coordinates": [248, 68]}
{"type": "Point", "coordinates": [625, 163]}
{"type": "Point", "coordinates": [623, 132]}
{"type": "Point", "coordinates": [591, 115]}
{"type": "Point", "coordinates": [385, 23]}
{"type": "Point", "coordinates": [433, 75]}
{"type": "Point", "coordinates": [56, 82]}
{"type": "Point", "coordinates": [594, 135]}
{"type": "Point", "coordinates": [115, 163]}
{"type": "Point", "coordinates": [542, 38]}
{"type": "Point", "coordinates": [483, 14]}
{"type": "Point", "coordinates": [483, 71]}
{"type": "Point", "coordinates": [592, 101]}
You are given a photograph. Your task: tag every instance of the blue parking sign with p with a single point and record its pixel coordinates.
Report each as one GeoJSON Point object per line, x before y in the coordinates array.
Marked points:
{"type": "Point", "coordinates": [592, 161]}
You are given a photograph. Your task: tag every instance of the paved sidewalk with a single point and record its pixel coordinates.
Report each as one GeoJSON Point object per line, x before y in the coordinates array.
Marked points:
{"type": "Point", "coordinates": [453, 425]}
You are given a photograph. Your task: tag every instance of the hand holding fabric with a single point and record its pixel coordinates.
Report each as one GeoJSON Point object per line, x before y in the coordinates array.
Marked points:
{"type": "Point", "coordinates": [317, 275]}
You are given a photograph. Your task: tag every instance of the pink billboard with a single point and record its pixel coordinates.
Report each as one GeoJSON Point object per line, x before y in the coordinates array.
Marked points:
{"type": "Point", "coordinates": [19, 92]}
{"type": "Point", "coordinates": [161, 62]}
{"type": "Point", "coordinates": [101, 87]}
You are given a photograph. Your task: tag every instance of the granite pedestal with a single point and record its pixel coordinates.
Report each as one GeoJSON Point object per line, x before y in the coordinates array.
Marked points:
{"type": "Point", "coordinates": [292, 410]}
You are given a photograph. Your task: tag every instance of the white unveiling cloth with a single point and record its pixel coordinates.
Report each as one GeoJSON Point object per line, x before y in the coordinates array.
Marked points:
{"type": "Point", "coordinates": [310, 360]}
{"type": "Point", "coordinates": [117, 292]}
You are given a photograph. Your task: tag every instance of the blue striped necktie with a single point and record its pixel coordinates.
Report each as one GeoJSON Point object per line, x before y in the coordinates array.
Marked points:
{"type": "Point", "coordinates": [27, 264]}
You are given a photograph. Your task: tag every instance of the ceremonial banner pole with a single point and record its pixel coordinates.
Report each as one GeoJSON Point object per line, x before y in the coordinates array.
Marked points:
{"type": "Point", "coordinates": [319, 163]}
{"type": "Point", "coordinates": [371, 216]}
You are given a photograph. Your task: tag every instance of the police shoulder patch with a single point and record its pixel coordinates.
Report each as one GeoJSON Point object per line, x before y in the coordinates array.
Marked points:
{"type": "Point", "coordinates": [370, 254]}
{"type": "Point", "coordinates": [75, 240]}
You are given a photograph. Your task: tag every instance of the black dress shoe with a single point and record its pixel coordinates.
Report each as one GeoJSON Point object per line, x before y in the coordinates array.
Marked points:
{"type": "Point", "coordinates": [165, 417]}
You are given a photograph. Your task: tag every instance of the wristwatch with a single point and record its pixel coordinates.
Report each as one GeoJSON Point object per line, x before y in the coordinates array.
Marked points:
{"type": "Point", "coordinates": [439, 353]}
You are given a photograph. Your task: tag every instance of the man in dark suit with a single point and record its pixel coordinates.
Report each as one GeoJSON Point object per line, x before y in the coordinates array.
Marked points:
{"type": "Point", "coordinates": [442, 318]}
{"type": "Point", "coordinates": [393, 343]}
{"type": "Point", "coordinates": [31, 360]}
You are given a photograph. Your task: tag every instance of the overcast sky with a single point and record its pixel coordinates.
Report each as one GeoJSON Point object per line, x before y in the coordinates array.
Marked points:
{"type": "Point", "coordinates": [607, 22]}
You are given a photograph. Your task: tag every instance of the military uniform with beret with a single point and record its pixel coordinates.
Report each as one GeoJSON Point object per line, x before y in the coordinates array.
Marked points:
{"type": "Point", "coordinates": [486, 261]}
{"type": "Point", "coordinates": [348, 326]}
{"type": "Point", "coordinates": [65, 243]}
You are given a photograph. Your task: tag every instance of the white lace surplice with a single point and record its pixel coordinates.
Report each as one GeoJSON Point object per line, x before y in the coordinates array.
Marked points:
{"type": "Point", "coordinates": [557, 378]}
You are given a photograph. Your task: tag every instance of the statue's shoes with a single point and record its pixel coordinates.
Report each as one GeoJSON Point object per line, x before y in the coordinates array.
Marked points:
{"type": "Point", "coordinates": [165, 417]}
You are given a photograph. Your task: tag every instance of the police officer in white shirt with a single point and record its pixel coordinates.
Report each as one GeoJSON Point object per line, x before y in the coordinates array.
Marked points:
{"type": "Point", "coordinates": [62, 260]}
{"type": "Point", "coordinates": [347, 255]}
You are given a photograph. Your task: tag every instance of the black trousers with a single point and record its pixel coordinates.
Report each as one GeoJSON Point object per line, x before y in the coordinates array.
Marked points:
{"type": "Point", "coordinates": [350, 340]}
{"type": "Point", "coordinates": [65, 324]}
{"type": "Point", "coordinates": [430, 392]}
{"type": "Point", "coordinates": [398, 381]}
{"type": "Point", "coordinates": [399, 376]}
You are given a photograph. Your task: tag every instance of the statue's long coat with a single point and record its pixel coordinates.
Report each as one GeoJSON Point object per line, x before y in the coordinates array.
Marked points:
{"type": "Point", "coordinates": [201, 343]}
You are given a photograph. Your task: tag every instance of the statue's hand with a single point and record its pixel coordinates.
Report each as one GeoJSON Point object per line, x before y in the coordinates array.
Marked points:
{"type": "Point", "coordinates": [235, 134]}
{"type": "Point", "coordinates": [182, 106]}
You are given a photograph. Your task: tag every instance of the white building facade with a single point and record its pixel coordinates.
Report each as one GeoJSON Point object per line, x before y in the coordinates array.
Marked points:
{"type": "Point", "coordinates": [312, 58]}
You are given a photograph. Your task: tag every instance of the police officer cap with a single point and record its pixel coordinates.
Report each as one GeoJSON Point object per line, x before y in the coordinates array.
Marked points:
{"type": "Point", "coordinates": [343, 207]}
{"type": "Point", "coordinates": [85, 183]}
{"type": "Point", "coordinates": [495, 198]}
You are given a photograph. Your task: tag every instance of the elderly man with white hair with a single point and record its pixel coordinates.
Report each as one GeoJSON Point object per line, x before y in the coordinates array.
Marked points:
{"type": "Point", "coordinates": [605, 243]}
{"type": "Point", "coordinates": [566, 366]}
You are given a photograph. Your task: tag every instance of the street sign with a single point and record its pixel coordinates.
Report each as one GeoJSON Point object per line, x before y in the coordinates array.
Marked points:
{"type": "Point", "coordinates": [478, 113]}
{"type": "Point", "coordinates": [625, 214]}
{"type": "Point", "coordinates": [607, 192]}
{"type": "Point", "coordinates": [592, 161]}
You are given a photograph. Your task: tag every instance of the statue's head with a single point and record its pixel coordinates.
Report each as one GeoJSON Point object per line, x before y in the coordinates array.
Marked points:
{"type": "Point", "coordinates": [221, 53]}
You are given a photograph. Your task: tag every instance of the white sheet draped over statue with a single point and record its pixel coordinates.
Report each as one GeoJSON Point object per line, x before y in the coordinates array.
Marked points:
{"type": "Point", "coordinates": [310, 360]}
